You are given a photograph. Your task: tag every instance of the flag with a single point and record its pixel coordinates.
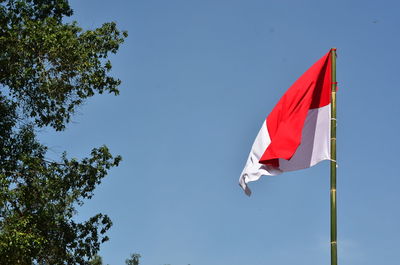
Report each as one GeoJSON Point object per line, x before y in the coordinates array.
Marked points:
{"type": "Point", "coordinates": [296, 134]}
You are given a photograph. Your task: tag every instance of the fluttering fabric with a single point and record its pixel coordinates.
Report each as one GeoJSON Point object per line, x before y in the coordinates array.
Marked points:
{"type": "Point", "coordinates": [296, 134]}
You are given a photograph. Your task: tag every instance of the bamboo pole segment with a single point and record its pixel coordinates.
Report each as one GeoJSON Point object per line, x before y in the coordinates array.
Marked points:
{"type": "Point", "coordinates": [333, 162]}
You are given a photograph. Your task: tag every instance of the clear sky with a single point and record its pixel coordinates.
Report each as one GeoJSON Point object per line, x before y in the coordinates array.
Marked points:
{"type": "Point", "coordinates": [198, 79]}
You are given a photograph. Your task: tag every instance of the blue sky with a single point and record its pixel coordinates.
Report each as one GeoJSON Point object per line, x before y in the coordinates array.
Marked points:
{"type": "Point", "coordinates": [198, 79]}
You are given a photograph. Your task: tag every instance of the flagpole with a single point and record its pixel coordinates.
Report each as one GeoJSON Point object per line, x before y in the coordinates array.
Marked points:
{"type": "Point", "coordinates": [333, 162]}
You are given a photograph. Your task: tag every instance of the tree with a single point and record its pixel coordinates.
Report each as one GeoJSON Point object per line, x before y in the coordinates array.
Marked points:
{"type": "Point", "coordinates": [133, 260]}
{"type": "Point", "coordinates": [48, 68]}
{"type": "Point", "coordinates": [96, 260]}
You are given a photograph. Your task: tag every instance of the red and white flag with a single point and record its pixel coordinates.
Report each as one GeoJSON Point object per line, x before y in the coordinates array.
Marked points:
{"type": "Point", "coordinates": [296, 133]}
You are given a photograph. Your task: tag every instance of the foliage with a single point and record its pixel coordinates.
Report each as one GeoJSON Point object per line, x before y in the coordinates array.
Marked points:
{"type": "Point", "coordinates": [48, 68]}
{"type": "Point", "coordinates": [96, 260]}
{"type": "Point", "coordinates": [133, 260]}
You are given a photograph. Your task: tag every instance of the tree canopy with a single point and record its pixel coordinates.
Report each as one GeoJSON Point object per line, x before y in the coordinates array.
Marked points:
{"type": "Point", "coordinates": [133, 260]}
{"type": "Point", "coordinates": [48, 68]}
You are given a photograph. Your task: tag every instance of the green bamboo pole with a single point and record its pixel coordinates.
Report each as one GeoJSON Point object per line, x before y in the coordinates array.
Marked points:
{"type": "Point", "coordinates": [333, 162]}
